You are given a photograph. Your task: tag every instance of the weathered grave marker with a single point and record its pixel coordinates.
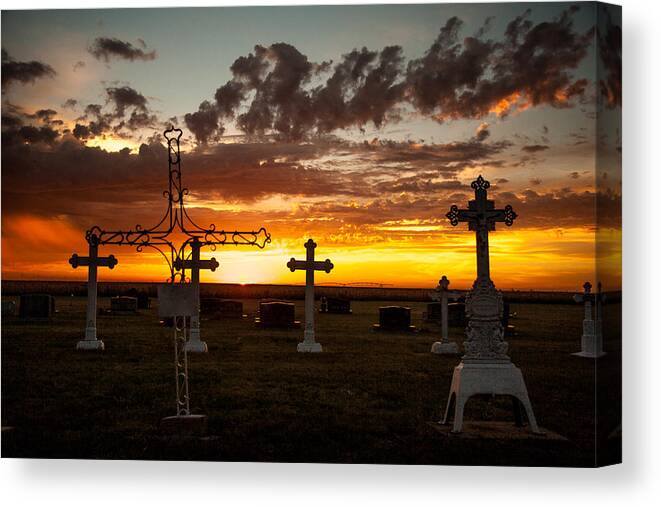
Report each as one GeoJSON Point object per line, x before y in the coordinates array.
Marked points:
{"type": "Point", "coordinates": [216, 308]}
{"type": "Point", "coordinates": [195, 344]}
{"type": "Point", "coordinates": [336, 306]}
{"type": "Point", "coordinates": [394, 318]}
{"type": "Point", "coordinates": [92, 261]}
{"type": "Point", "coordinates": [592, 338]}
{"type": "Point", "coordinates": [36, 307]}
{"type": "Point", "coordinates": [179, 301]}
{"type": "Point", "coordinates": [277, 314]}
{"type": "Point", "coordinates": [485, 367]}
{"type": "Point", "coordinates": [123, 305]}
{"type": "Point", "coordinates": [8, 308]}
{"type": "Point", "coordinates": [442, 294]}
{"type": "Point", "coordinates": [309, 265]}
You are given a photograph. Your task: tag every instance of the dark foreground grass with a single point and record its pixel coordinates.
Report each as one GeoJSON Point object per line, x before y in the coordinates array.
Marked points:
{"type": "Point", "coordinates": [368, 398]}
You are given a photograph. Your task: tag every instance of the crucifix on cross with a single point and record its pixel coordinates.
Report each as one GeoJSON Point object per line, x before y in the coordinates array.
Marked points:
{"type": "Point", "coordinates": [481, 216]}
{"type": "Point", "coordinates": [309, 265]}
{"type": "Point", "coordinates": [195, 264]}
{"type": "Point", "coordinates": [92, 261]}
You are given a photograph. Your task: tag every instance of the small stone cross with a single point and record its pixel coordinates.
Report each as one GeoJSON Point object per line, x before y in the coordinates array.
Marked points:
{"type": "Point", "coordinates": [309, 265]}
{"type": "Point", "coordinates": [442, 294]}
{"type": "Point", "coordinates": [92, 261]}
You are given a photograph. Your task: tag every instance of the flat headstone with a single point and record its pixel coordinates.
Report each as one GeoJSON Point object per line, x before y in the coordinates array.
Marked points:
{"type": "Point", "coordinates": [216, 308]}
{"type": "Point", "coordinates": [36, 306]}
{"type": "Point", "coordinates": [144, 301]}
{"type": "Point", "coordinates": [394, 318]}
{"type": "Point", "coordinates": [193, 425]}
{"type": "Point", "coordinates": [277, 314]}
{"type": "Point", "coordinates": [123, 305]}
{"type": "Point", "coordinates": [8, 308]}
{"type": "Point", "coordinates": [457, 315]}
{"type": "Point", "coordinates": [336, 306]}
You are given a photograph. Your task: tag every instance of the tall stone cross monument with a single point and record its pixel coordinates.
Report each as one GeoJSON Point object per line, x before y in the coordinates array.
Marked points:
{"type": "Point", "coordinates": [194, 264]}
{"type": "Point", "coordinates": [445, 346]}
{"type": "Point", "coordinates": [93, 261]}
{"type": "Point", "coordinates": [310, 266]}
{"type": "Point", "coordinates": [485, 367]}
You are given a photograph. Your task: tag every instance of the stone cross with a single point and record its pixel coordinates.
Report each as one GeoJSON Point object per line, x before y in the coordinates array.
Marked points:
{"type": "Point", "coordinates": [485, 367]}
{"type": "Point", "coordinates": [310, 266]}
{"type": "Point", "coordinates": [592, 338]}
{"type": "Point", "coordinates": [195, 344]}
{"type": "Point", "coordinates": [445, 346]}
{"type": "Point", "coordinates": [481, 216]}
{"type": "Point", "coordinates": [92, 261]}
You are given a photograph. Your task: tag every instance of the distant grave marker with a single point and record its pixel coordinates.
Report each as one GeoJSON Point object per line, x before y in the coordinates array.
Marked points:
{"type": "Point", "coordinates": [36, 307]}
{"type": "Point", "coordinates": [277, 314]}
{"type": "Point", "coordinates": [442, 294]}
{"type": "Point", "coordinates": [309, 265]}
{"type": "Point", "coordinates": [217, 308]}
{"type": "Point", "coordinates": [592, 341]}
{"type": "Point", "coordinates": [8, 308]}
{"type": "Point", "coordinates": [457, 315]}
{"type": "Point", "coordinates": [485, 367]}
{"type": "Point", "coordinates": [394, 318]}
{"type": "Point", "coordinates": [123, 305]}
{"type": "Point", "coordinates": [338, 306]}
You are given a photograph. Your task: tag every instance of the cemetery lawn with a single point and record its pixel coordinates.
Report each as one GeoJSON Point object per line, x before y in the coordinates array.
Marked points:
{"type": "Point", "coordinates": [370, 397]}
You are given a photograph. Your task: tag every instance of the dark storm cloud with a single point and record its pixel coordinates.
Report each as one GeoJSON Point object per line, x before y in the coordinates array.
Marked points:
{"type": "Point", "coordinates": [277, 90]}
{"type": "Point", "coordinates": [610, 52]}
{"type": "Point", "coordinates": [124, 97]}
{"type": "Point", "coordinates": [534, 148]}
{"type": "Point", "coordinates": [24, 72]}
{"type": "Point", "coordinates": [470, 78]}
{"type": "Point", "coordinates": [107, 48]}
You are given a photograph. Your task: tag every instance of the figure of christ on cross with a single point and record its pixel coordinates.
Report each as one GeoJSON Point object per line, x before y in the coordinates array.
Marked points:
{"type": "Point", "coordinates": [92, 261]}
{"type": "Point", "coordinates": [194, 264]}
{"type": "Point", "coordinates": [485, 367]}
{"type": "Point", "coordinates": [442, 294]}
{"type": "Point", "coordinates": [310, 266]}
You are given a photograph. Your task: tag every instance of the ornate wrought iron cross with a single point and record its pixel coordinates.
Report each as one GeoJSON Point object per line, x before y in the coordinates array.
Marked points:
{"type": "Point", "coordinates": [481, 216]}
{"type": "Point", "coordinates": [176, 220]}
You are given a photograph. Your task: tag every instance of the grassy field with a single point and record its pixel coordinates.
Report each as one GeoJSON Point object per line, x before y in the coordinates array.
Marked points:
{"type": "Point", "coordinates": [368, 398]}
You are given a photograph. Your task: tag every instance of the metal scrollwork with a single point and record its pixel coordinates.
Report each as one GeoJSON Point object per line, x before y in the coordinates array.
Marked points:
{"type": "Point", "coordinates": [510, 216]}
{"type": "Point", "coordinates": [175, 220]}
{"type": "Point", "coordinates": [453, 215]}
{"type": "Point", "coordinates": [480, 183]}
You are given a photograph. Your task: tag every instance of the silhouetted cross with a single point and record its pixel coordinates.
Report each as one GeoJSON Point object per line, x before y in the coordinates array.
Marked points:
{"type": "Point", "coordinates": [481, 216]}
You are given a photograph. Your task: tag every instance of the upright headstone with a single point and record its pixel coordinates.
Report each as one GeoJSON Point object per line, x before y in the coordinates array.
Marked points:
{"type": "Point", "coordinates": [277, 314]}
{"type": "Point", "coordinates": [144, 301]}
{"type": "Point", "coordinates": [592, 338]}
{"type": "Point", "coordinates": [442, 294]}
{"type": "Point", "coordinates": [394, 318]}
{"type": "Point", "coordinates": [309, 265]}
{"type": "Point", "coordinates": [457, 315]}
{"type": "Point", "coordinates": [93, 261]}
{"type": "Point", "coordinates": [36, 306]}
{"type": "Point", "coordinates": [217, 308]}
{"type": "Point", "coordinates": [195, 343]}
{"type": "Point", "coordinates": [338, 306]}
{"type": "Point", "coordinates": [8, 308]}
{"type": "Point", "coordinates": [124, 305]}
{"type": "Point", "coordinates": [485, 367]}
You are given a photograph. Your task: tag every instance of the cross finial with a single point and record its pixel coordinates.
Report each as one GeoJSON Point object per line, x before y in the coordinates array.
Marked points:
{"type": "Point", "coordinates": [444, 283]}
{"type": "Point", "coordinates": [480, 183]}
{"type": "Point", "coordinates": [310, 244]}
{"type": "Point", "coordinates": [588, 287]}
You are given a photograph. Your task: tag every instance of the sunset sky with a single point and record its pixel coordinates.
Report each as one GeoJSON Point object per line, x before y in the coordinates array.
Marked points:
{"type": "Point", "coordinates": [357, 126]}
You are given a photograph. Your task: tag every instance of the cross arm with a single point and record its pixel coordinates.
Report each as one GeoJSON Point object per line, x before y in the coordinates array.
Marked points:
{"type": "Point", "coordinates": [109, 261]}
{"type": "Point", "coordinates": [210, 264]}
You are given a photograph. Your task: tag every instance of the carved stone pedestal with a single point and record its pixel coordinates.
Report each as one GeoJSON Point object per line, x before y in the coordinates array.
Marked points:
{"type": "Point", "coordinates": [90, 345]}
{"type": "Point", "coordinates": [591, 346]}
{"type": "Point", "coordinates": [445, 348]}
{"type": "Point", "coordinates": [308, 344]}
{"type": "Point", "coordinates": [483, 377]}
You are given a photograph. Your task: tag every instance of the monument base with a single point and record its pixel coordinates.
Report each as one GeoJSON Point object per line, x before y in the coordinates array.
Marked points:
{"type": "Point", "coordinates": [196, 346]}
{"type": "Point", "coordinates": [90, 345]}
{"type": "Point", "coordinates": [194, 425]}
{"type": "Point", "coordinates": [590, 355]}
{"type": "Point", "coordinates": [308, 347]}
{"type": "Point", "coordinates": [486, 377]}
{"type": "Point", "coordinates": [445, 348]}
